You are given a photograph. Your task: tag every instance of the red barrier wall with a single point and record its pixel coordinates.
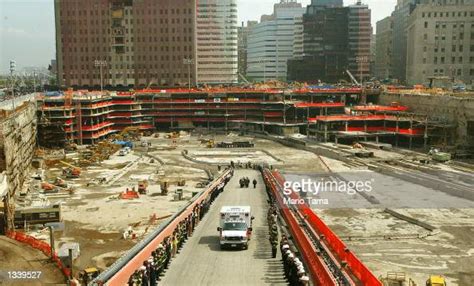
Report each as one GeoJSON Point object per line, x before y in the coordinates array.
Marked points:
{"type": "Point", "coordinates": [121, 277]}
{"type": "Point", "coordinates": [317, 268]}
{"type": "Point", "coordinates": [40, 245]}
{"type": "Point", "coordinates": [335, 243]}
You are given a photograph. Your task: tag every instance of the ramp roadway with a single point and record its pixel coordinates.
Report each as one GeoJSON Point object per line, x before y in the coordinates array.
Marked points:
{"type": "Point", "coordinates": [202, 262]}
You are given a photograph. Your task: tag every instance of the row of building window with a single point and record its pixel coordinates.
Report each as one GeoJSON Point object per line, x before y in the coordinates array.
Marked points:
{"type": "Point", "coordinates": [72, 76]}
{"type": "Point", "coordinates": [95, 12]}
{"type": "Point", "coordinates": [458, 72]}
{"type": "Point", "coordinates": [446, 14]}
{"type": "Point", "coordinates": [442, 60]}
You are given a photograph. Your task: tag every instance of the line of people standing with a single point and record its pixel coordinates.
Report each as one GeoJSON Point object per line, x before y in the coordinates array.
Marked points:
{"type": "Point", "coordinates": [295, 272]}
{"type": "Point", "coordinates": [151, 270]}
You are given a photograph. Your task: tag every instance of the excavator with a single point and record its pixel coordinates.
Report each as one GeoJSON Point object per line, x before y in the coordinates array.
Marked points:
{"type": "Point", "coordinates": [71, 171]}
{"type": "Point", "coordinates": [436, 280]}
{"type": "Point", "coordinates": [128, 133]}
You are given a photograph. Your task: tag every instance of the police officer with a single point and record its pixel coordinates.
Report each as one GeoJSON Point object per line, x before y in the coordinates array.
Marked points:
{"type": "Point", "coordinates": [254, 183]}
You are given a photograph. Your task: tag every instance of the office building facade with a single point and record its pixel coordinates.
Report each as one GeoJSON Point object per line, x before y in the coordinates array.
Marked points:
{"type": "Point", "coordinates": [383, 48]}
{"type": "Point", "coordinates": [441, 42]}
{"type": "Point", "coordinates": [336, 39]}
{"type": "Point", "coordinates": [243, 33]}
{"type": "Point", "coordinates": [124, 43]}
{"type": "Point", "coordinates": [217, 43]}
{"type": "Point", "coordinates": [271, 42]}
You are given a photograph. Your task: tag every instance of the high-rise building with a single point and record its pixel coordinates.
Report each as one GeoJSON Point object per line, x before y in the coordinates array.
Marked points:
{"type": "Point", "coordinates": [383, 49]}
{"type": "Point", "coordinates": [243, 33]}
{"type": "Point", "coordinates": [270, 42]}
{"type": "Point", "coordinates": [125, 43]}
{"type": "Point", "coordinates": [327, 3]}
{"type": "Point", "coordinates": [335, 39]}
{"type": "Point", "coordinates": [400, 17]}
{"type": "Point", "coordinates": [217, 55]}
{"type": "Point", "coordinates": [359, 39]}
{"type": "Point", "coordinates": [441, 42]}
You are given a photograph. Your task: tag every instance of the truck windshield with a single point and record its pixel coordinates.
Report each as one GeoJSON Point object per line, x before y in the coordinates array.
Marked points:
{"type": "Point", "coordinates": [235, 226]}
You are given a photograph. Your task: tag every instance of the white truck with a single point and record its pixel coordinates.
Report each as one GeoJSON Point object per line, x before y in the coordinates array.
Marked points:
{"type": "Point", "coordinates": [235, 226]}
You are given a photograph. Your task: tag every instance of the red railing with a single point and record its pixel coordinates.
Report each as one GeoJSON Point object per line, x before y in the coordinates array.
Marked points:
{"type": "Point", "coordinates": [319, 104]}
{"type": "Point", "coordinates": [122, 276]}
{"type": "Point", "coordinates": [407, 131]}
{"type": "Point", "coordinates": [357, 268]}
{"type": "Point", "coordinates": [320, 273]}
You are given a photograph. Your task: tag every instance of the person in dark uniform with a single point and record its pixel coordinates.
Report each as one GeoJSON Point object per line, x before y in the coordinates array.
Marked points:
{"type": "Point", "coordinates": [254, 183]}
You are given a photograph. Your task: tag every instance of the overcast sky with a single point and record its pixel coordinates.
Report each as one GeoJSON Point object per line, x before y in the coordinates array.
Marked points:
{"type": "Point", "coordinates": [27, 27]}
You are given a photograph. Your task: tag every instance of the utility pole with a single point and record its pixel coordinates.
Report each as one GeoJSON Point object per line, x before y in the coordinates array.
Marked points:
{"type": "Point", "coordinates": [100, 64]}
{"type": "Point", "coordinates": [12, 70]}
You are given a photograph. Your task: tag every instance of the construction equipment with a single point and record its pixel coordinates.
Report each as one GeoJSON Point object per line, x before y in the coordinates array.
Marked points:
{"type": "Point", "coordinates": [439, 156]}
{"type": "Point", "coordinates": [60, 183]}
{"type": "Point", "coordinates": [88, 274]}
{"type": "Point", "coordinates": [353, 79]}
{"type": "Point", "coordinates": [173, 135]}
{"type": "Point", "coordinates": [71, 171]}
{"type": "Point", "coordinates": [142, 187]}
{"type": "Point", "coordinates": [211, 143]}
{"type": "Point", "coordinates": [129, 133]}
{"type": "Point", "coordinates": [436, 280]}
{"type": "Point", "coordinates": [49, 188]}
{"type": "Point", "coordinates": [396, 279]}
{"type": "Point", "coordinates": [129, 194]}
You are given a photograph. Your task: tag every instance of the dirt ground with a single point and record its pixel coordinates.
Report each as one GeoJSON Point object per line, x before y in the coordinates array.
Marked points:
{"type": "Point", "coordinates": [97, 220]}
{"type": "Point", "coordinates": [16, 256]}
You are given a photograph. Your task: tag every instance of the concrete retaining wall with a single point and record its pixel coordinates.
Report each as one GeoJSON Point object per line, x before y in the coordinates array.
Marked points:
{"type": "Point", "coordinates": [456, 109]}
{"type": "Point", "coordinates": [17, 147]}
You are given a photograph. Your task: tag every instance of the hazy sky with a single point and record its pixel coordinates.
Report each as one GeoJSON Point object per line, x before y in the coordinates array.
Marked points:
{"type": "Point", "coordinates": [27, 27]}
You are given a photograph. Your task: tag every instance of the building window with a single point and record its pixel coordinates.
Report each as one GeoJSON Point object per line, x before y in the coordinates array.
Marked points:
{"type": "Point", "coordinates": [442, 60]}
{"type": "Point", "coordinates": [453, 48]}
{"type": "Point", "coordinates": [460, 60]}
{"type": "Point", "coordinates": [426, 25]}
{"type": "Point", "coordinates": [435, 60]}
{"type": "Point", "coordinates": [471, 72]}
{"type": "Point", "coordinates": [453, 60]}
{"type": "Point", "coordinates": [461, 48]}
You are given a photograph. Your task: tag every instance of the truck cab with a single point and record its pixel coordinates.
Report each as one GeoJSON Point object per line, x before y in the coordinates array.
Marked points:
{"type": "Point", "coordinates": [235, 226]}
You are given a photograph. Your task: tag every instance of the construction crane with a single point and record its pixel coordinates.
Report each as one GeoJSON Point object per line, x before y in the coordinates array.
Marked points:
{"type": "Point", "coordinates": [353, 79]}
{"type": "Point", "coordinates": [244, 79]}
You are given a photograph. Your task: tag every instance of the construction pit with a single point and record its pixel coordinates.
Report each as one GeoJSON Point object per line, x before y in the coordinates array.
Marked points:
{"type": "Point", "coordinates": [106, 226]}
